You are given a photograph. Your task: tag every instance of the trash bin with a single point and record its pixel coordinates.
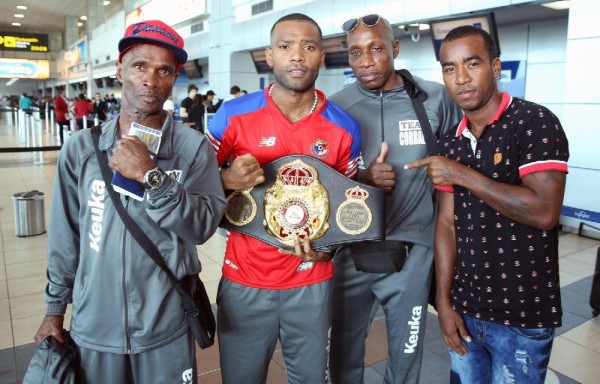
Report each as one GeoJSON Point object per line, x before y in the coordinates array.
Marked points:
{"type": "Point", "coordinates": [29, 213]}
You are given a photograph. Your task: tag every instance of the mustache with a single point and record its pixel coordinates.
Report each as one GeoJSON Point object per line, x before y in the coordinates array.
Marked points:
{"type": "Point", "coordinates": [464, 90]}
{"type": "Point", "coordinates": [296, 68]}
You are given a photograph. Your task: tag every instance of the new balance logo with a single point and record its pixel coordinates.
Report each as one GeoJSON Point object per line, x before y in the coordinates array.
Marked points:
{"type": "Point", "coordinates": [230, 264]}
{"type": "Point", "coordinates": [267, 141]}
{"type": "Point", "coordinates": [305, 266]}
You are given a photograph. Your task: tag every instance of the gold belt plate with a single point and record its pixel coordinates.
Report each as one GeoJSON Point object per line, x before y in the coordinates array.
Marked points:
{"type": "Point", "coordinates": [297, 204]}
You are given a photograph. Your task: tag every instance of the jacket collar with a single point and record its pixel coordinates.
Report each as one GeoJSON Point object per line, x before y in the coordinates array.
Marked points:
{"type": "Point", "coordinates": [109, 138]}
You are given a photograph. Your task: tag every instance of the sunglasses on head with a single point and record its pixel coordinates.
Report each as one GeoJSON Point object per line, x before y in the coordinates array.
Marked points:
{"type": "Point", "coordinates": [368, 20]}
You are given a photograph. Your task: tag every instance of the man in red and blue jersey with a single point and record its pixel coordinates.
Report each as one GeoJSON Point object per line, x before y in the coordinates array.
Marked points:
{"type": "Point", "coordinates": [267, 293]}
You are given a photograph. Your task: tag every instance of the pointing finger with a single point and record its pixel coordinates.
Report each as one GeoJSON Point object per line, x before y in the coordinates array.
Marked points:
{"type": "Point", "coordinates": [417, 163]}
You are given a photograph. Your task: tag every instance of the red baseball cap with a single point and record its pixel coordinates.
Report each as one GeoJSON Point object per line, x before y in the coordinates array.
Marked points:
{"type": "Point", "coordinates": [154, 32]}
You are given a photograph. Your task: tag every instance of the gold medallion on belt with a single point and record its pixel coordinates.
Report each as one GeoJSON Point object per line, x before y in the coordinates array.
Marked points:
{"type": "Point", "coordinates": [353, 215]}
{"type": "Point", "coordinates": [241, 207]}
{"type": "Point", "coordinates": [296, 204]}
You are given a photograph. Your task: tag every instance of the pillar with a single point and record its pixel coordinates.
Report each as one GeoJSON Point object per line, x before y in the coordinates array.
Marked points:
{"type": "Point", "coordinates": [581, 104]}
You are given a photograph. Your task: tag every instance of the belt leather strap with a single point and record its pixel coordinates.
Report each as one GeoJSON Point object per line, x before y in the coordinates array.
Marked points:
{"type": "Point", "coordinates": [304, 196]}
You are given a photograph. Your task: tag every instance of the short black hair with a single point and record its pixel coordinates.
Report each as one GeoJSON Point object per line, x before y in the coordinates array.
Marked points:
{"type": "Point", "coordinates": [470, 30]}
{"type": "Point", "coordinates": [297, 17]}
{"type": "Point", "coordinates": [192, 87]}
{"type": "Point", "coordinates": [235, 89]}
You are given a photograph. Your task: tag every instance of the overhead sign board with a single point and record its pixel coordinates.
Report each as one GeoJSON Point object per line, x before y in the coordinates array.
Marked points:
{"type": "Point", "coordinates": [440, 29]}
{"type": "Point", "coordinates": [24, 69]}
{"type": "Point", "coordinates": [76, 54]}
{"type": "Point", "coordinates": [28, 42]}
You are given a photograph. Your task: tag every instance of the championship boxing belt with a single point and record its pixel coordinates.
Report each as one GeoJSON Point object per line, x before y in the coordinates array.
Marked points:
{"type": "Point", "coordinates": [304, 196]}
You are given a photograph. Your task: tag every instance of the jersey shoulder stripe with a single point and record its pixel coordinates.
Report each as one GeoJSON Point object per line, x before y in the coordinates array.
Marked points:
{"type": "Point", "coordinates": [252, 102]}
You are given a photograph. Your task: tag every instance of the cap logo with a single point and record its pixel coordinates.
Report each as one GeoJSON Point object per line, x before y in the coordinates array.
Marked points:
{"type": "Point", "coordinates": [143, 27]}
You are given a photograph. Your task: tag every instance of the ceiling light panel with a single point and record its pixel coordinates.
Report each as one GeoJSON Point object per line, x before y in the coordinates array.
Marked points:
{"type": "Point", "coordinates": [558, 5]}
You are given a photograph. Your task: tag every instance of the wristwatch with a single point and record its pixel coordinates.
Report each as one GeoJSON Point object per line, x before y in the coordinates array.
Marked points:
{"type": "Point", "coordinates": [154, 179]}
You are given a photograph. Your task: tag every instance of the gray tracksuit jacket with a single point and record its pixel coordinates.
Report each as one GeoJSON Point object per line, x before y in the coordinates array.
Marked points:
{"type": "Point", "coordinates": [389, 116]}
{"type": "Point", "coordinates": [121, 300]}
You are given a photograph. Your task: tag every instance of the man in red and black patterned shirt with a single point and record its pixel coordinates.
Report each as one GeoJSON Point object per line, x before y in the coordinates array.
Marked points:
{"type": "Point", "coordinates": [502, 174]}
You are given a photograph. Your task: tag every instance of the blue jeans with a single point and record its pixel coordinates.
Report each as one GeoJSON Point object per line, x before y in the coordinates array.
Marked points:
{"type": "Point", "coordinates": [499, 354]}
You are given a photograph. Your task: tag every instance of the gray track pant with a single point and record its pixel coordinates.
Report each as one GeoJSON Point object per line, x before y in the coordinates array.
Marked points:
{"type": "Point", "coordinates": [403, 296]}
{"type": "Point", "coordinates": [251, 320]}
{"type": "Point", "coordinates": [171, 363]}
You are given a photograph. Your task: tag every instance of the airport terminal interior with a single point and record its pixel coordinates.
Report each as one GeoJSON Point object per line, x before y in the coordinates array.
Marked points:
{"type": "Point", "coordinates": [225, 40]}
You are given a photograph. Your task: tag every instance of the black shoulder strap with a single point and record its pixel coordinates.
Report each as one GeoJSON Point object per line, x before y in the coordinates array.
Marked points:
{"type": "Point", "coordinates": [418, 96]}
{"type": "Point", "coordinates": [138, 234]}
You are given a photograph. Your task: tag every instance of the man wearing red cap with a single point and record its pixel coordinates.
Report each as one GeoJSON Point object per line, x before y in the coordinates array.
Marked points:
{"type": "Point", "coordinates": [127, 319]}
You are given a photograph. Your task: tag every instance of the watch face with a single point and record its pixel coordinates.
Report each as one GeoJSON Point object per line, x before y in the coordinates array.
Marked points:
{"type": "Point", "coordinates": [154, 179]}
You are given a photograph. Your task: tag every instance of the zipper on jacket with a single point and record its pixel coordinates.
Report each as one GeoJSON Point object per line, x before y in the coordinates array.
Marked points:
{"type": "Point", "coordinates": [125, 301]}
{"type": "Point", "coordinates": [381, 116]}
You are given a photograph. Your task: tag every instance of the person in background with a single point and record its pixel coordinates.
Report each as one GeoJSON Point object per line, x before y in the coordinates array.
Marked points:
{"type": "Point", "coordinates": [25, 103]}
{"type": "Point", "coordinates": [186, 103]}
{"type": "Point", "coordinates": [234, 93]}
{"type": "Point", "coordinates": [14, 101]}
{"type": "Point", "coordinates": [196, 114]}
{"type": "Point", "coordinates": [113, 105]}
{"type": "Point", "coordinates": [82, 108]}
{"type": "Point", "coordinates": [243, 92]}
{"type": "Point", "coordinates": [392, 137]}
{"type": "Point", "coordinates": [210, 106]}
{"type": "Point", "coordinates": [61, 112]}
{"type": "Point", "coordinates": [100, 108]}
{"type": "Point", "coordinates": [127, 321]}
{"type": "Point", "coordinates": [268, 294]}
{"type": "Point", "coordinates": [169, 106]}
{"type": "Point", "coordinates": [72, 101]}
{"type": "Point", "coordinates": [502, 171]}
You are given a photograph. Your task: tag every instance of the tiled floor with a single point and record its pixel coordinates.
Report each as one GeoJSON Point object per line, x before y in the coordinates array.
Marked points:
{"type": "Point", "coordinates": [575, 357]}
